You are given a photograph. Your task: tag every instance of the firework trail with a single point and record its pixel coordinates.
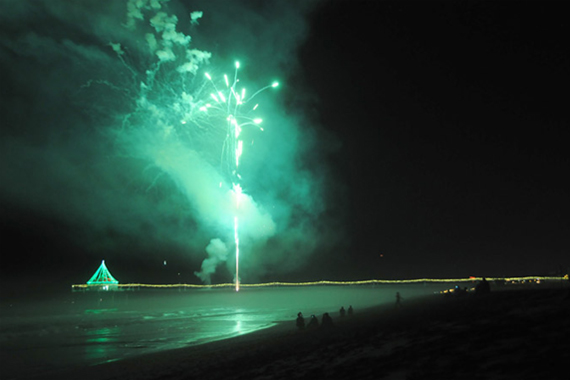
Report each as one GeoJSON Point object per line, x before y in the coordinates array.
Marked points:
{"type": "Point", "coordinates": [188, 127]}
{"type": "Point", "coordinates": [108, 131]}
{"type": "Point", "coordinates": [230, 103]}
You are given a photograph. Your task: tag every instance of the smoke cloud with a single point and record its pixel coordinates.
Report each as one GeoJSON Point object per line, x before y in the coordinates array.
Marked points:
{"type": "Point", "coordinates": [105, 131]}
{"type": "Point", "coordinates": [217, 253]}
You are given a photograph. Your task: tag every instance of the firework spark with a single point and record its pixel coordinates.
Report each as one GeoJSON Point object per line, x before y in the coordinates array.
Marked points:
{"type": "Point", "coordinates": [182, 128]}
{"type": "Point", "coordinates": [238, 110]}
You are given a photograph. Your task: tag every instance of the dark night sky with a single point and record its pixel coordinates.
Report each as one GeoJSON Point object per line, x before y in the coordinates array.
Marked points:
{"type": "Point", "coordinates": [442, 128]}
{"type": "Point", "coordinates": [454, 132]}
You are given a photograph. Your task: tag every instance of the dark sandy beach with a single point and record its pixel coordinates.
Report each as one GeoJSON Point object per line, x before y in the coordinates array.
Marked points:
{"type": "Point", "coordinates": [508, 334]}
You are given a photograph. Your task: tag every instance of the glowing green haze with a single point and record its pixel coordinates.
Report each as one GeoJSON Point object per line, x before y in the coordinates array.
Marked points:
{"type": "Point", "coordinates": [175, 125]}
{"type": "Point", "coordinates": [229, 103]}
{"type": "Point", "coordinates": [132, 144]}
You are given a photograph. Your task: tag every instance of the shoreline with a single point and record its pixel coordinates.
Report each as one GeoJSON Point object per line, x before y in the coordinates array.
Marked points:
{"type": "Point", "coordinates": [501, 335]}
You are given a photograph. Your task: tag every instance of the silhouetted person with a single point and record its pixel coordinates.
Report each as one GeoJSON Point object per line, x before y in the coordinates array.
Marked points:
{"type": "Point", "coordinates": [483, 287]}
{"type": "Point", "coordinates": [342, 311]}
{"type": "Point", "coordinates": [300, 321]}
{"type": "Point", "coordinates": [398, 300]}
{"type": "Point", "coordinates": [350, 311]}
{"type": "Point", "coordinates": [313, 322]}
{"type": "Point", "coordinates": [327, 321]}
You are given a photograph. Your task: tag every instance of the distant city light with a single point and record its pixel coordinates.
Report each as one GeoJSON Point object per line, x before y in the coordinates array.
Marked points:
{"type": "Point", "coordinates": [324, 282]}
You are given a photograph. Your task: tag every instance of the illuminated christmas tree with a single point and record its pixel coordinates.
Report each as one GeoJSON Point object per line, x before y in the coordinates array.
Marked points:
{"type": "Point", "coordinates": [102, 278]}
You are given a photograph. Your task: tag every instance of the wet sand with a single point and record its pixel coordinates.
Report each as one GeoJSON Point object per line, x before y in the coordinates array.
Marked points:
{"type": "Point", "coordinates": [507, 334]}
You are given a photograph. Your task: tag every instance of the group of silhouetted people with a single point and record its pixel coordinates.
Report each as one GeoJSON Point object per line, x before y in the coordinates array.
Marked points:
{"type": "Point", "coordinates": [326, 320]}
{"type": "Point", "coordinates": [343, 312]}
{"type": "Point", "coordinates": [313, 322]}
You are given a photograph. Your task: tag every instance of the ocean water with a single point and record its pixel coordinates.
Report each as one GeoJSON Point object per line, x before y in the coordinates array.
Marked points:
{"type": "Point", "coordinates": [84, 329]}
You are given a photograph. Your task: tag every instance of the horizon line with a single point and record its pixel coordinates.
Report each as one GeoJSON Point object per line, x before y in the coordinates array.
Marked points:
{"type": "Point", "coordinates": [327, 282]}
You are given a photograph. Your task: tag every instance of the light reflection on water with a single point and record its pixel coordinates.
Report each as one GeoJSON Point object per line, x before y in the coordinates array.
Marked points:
{"type": "Point", "coordinates": [96, 328]}
{"type": "Point", "coordinates": [114, 334]}
{"type": "Point", "coordinates": [100, 344]}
